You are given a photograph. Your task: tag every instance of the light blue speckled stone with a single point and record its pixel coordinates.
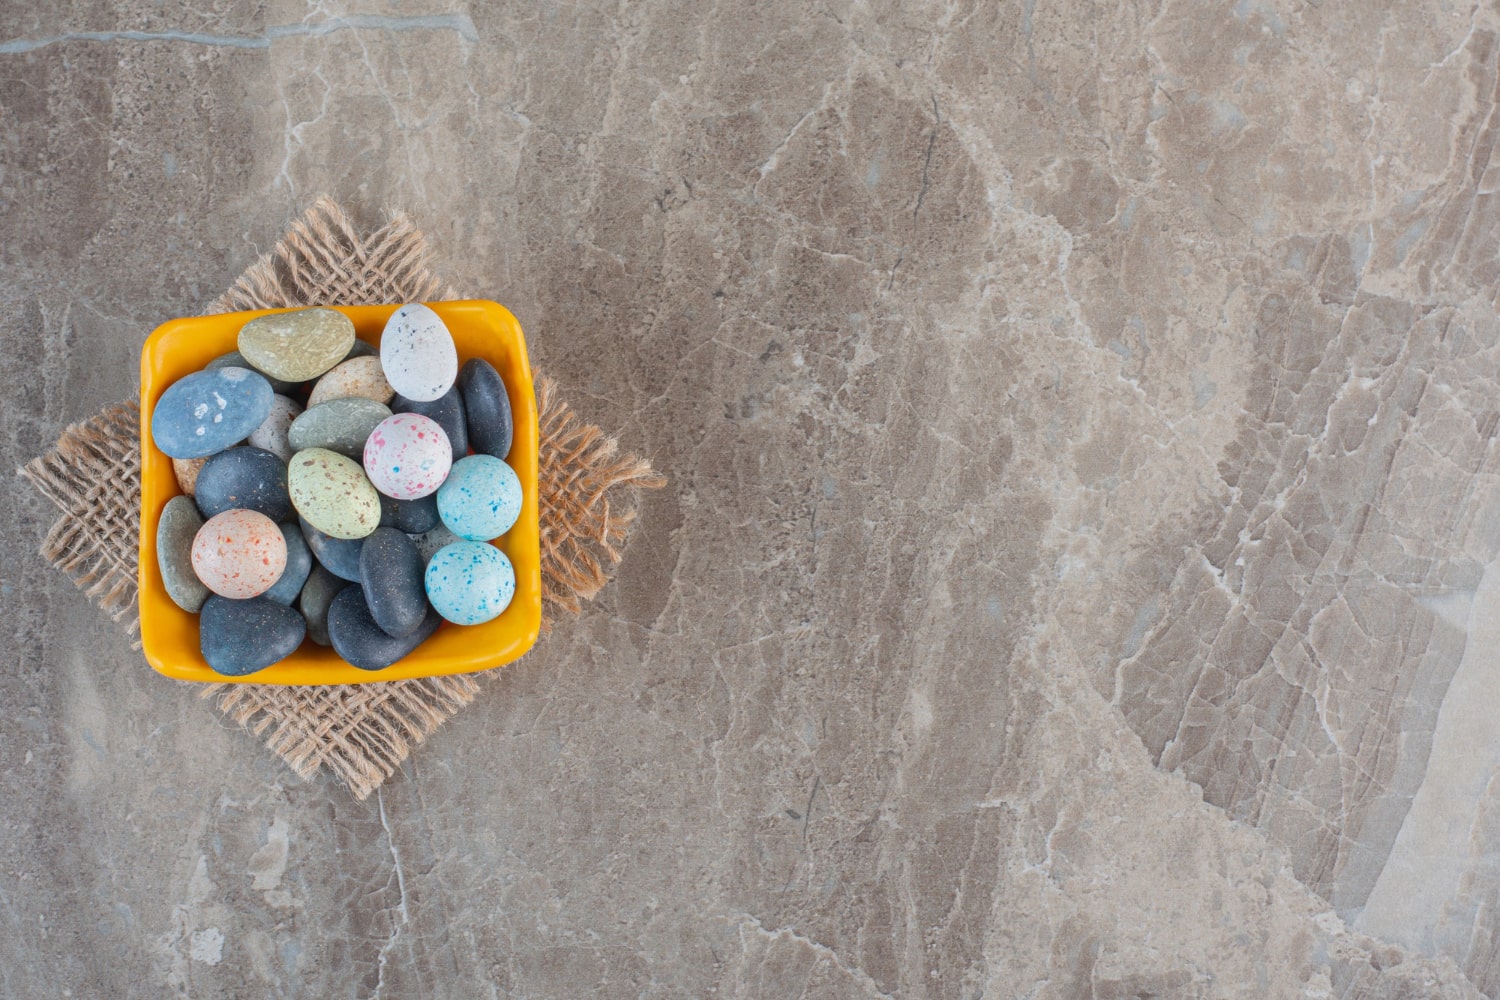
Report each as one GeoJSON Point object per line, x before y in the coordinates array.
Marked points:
{"type": "Point", "coordinates": [470, 583]}
{"type": "Point", "coordinates": [480, 499]}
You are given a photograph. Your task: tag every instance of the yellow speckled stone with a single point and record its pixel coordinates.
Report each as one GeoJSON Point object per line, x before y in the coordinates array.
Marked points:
{"type": "Point", "coordinates": [332, 493]}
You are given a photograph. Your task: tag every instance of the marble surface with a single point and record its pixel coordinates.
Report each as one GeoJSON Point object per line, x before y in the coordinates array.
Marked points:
{"type": "Point", "coordinates": [1078, 576]}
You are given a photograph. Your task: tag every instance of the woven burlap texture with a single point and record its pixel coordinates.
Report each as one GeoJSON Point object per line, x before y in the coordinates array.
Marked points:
{"type": "Point", "coordinates": [360, 732]}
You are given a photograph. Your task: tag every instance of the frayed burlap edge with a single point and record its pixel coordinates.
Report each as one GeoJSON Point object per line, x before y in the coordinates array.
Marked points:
{"type": "Point", "coordinates": [360, 733]}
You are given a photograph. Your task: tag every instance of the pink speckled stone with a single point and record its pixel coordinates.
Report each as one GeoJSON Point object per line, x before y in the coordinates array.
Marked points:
{"type": "Point", "coordinates": [407, 456]}
{"type": "Point", "coordinates": [239, 554]}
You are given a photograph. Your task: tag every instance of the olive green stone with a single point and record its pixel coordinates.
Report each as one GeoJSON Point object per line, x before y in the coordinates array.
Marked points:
{"type": "Point", "coordinates": [297, 346]}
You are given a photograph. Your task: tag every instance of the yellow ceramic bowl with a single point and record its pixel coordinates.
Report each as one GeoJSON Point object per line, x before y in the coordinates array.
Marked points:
{"type": "Point", "coordinates": [169, 635]}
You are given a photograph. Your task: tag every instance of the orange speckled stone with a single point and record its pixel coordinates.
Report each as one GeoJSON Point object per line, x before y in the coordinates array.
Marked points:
{"type": "Point", "coordinates": [239, 554]}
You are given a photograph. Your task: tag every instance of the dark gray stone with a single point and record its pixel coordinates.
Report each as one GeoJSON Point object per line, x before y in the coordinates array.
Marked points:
{"type": "Point", "coordinates": [241, 637]}
{"type": "Point", "coordinates": [244, 478]}
{"type": "Point", "coordinates": [340, 556]}
{"type": "Point", "coordinates": [390, 571]}
{"type": "Point", "coordinates": [486, 408]}
{"type": "Point", "coordinates": [448, 411]}
{"type": "Point", "coordinates": [411, 516]}
{"type": "Point", "coordinates": [364, 644]}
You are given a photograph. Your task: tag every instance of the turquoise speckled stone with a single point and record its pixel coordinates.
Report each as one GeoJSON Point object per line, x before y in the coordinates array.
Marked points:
{"type": "Point", "coordinates": [470, 583]}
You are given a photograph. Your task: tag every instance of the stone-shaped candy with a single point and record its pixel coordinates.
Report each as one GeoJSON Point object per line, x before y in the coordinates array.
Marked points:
{"type": "Point", "coordinates": [364, 644]}
{"type": "Point", "coordinates": [272, 433]}
{"type": "Point", "coordinates": [244, 478]}
{"type": "Point", "coordinates": [206, 412]}
{"type": "Point", "coordinates": [175, 532]}
{"type": "Point", "coordinates": [340, 556]}
{"type": "Point", "coordinates": [447, 410]}
{"type": "Point", "coordinates": [241, 637]}
{"type": "Point", "coordinates": [186, 472]}
{"type": "Point", "coordinates": [481, 498]}
{"type": "Point", "coordinates": [470, 583]}
{"type": "Point", "coordinates": [410, 516]}
{"type": "Point", "coordinates": [417, 353]}
{"type": "Point", "coordinates": [234, 359]}
{"type": "Point", "coordinates": [486, 408]}
{"type": "Point", "coordinates": [390, 571]}
{"type": "Point", "coordinates": [407, 456]}
{"type": "Point", "coordinates": [299, 345]}
{"type": "Point", "coordinates": [331, 493]}
{"type": "Point", "coordinates": [299, 563]}
{"type": "Point", "coordinates": [361, 376]}
{"type": "Point", "coordinates": [239, 554]}
{"type": "Point", "coordinates": [317, 594]}
{"type": "Point", "coordinates": [342, 425]}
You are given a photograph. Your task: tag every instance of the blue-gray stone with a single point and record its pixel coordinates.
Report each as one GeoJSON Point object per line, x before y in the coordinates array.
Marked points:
{"type": "Point", "coordinates": [340, 556]}
{"type": "Point", "coordinates": [241, 637]}
{"type": "Point", "coordinates": [205, 412]}
{"type": "Point", "coordinates": [448, 411]}
{"type": "Point", "coordinates": [486, 408]}
{"type": "Point", "coordinates": [175, 532]}
{"type": "Point", "coordinates": [364, 644]}
{"type": "Point", "coordinates": [244, 478]}
{"type": "Point", "coordinates": [390, 571]}
{"type": "Point", "coordinates": [299, 563]}
{"type": "Point", "coordinates": [317, 594]}
{"type": "Point", "coordinates": [411, 516]}
{"type": "Point", "coordinates": [234, 359]}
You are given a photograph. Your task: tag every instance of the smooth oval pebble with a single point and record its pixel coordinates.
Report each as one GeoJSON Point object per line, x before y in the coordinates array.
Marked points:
{"type": "Point", "coordinates": [299, 563]}
{"type": "Point", "coordinates": [390, 571]}
{"type": "Point", "coordinates": [342, 425]}
{"type": "Point", "coordinates": [317, 594]}
{"type": "Point", "coordinates": [186, 470]}
{"type": "Point", "coordinates": [298, 345]}
{"type": "Point", "coordinates": [244, 478]}
{"type": "Point", "coordinates": [410, 516]}
{"type": "Point", "coordinates": [364, 644]}
{"type": "Point", "coordinates": [175, 532]}
{"type": "Point", "coordinates": [241, 637]}
{"type": "Point", "coordinates": [481, 498]}
{"type": "Point", "coordinates": [486, 408]}
{"type": "Point", "coordinates": [355, 377]}
{"type": "Point", "coordinates": [407, 456]}
{"type": "Point", "coordinates": [429, 543]}
{"type": "Point", "coordinates": [448, 412]}
{"type": "Point", "coordinates": [208, 411]}
{"type": "Point", "coordinates": [272, 433]}
{"type": "Point", "coordinates": [331, 493]}
{"type": "Point", "coordinates": [239, 554]}
{"type": "Point", "coordinates": [340, 556]}
{"type": "Point", "coordinates": [417, 353]}
{"type": "Point", "coordinates": [470, 583]}
{"type": "Point", "coordinates": [234, 359]}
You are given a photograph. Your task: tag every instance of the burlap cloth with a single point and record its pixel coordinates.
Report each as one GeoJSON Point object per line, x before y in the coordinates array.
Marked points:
{"type": "Point", "coordinates": [360, 732]}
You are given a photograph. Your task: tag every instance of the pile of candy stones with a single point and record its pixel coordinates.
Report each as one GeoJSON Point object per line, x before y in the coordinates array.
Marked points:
{"type": "Point", "coordinates": [330, 493]}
